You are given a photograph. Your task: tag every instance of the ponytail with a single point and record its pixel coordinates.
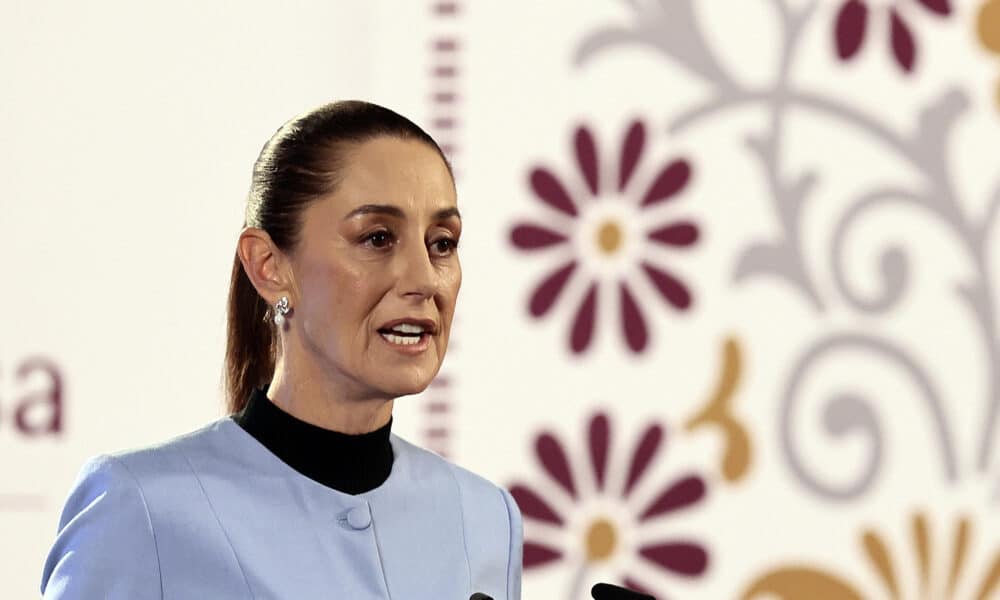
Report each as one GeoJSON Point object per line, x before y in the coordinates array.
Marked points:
{"type": "Point", "coordinates": [250, 341]}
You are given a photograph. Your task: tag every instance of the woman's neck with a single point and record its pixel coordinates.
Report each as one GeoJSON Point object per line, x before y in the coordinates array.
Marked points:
{"type": "Point", "coordinates": [316, 397]}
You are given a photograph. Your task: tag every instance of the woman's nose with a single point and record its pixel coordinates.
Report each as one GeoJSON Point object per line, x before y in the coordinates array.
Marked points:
{"type": "Point", "coordinates": [418, 276]}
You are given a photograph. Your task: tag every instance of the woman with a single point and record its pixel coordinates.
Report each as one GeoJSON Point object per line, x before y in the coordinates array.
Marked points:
{"type": "Point", "coordinates": [342, 296]}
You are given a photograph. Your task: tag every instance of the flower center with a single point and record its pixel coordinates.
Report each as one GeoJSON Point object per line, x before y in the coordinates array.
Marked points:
{"type": "Point", "coordinates": [609, 237]}
{"type": "Point", "coordinates": [989, 26]}
{"type": "Point", "coordinates": [600, 540]}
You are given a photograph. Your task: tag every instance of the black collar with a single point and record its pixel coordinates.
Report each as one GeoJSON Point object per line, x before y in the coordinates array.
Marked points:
{"type": "Point", "coordinates": [352, 464]}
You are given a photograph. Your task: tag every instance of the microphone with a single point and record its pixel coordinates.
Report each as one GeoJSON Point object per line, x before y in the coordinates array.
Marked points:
{"type": "Point", "coordinates": [601, 591]}
{"type": "Point", "coordinates": [606, 591]}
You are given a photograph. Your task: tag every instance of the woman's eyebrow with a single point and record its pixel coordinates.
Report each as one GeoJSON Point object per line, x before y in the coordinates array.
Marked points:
{"type": "Point", "coordinates": [395, 211]}
{"type": "Point", "coordinates": [446, 213]}
{"type": "Point", "coordinates": [380, 209]}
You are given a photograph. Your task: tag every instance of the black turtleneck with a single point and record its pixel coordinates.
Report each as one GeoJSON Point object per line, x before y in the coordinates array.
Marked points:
{"type": "Point", "coordinates": [351, 464]}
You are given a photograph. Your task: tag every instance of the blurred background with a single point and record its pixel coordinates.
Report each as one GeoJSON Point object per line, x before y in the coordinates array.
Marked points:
{"type": "Point", "coordinates": [729, 322]}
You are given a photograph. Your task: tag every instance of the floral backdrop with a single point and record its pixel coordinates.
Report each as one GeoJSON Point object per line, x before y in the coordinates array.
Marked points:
{"type": "Point", "coordinates": [757, 250]}
{"type": "Point", "coordinates": [729, 322]}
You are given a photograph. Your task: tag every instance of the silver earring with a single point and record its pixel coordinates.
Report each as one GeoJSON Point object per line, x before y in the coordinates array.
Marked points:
{"type": "Point", "coordinates": [280, 310]}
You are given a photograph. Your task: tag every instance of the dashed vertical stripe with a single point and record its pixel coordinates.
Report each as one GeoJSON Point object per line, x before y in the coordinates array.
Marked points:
{"type": "Point", "coordinates": [444, 49]}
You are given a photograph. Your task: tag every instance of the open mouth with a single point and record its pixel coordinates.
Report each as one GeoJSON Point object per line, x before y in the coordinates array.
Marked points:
{"type": "Point", "coordinates": [405, 334]}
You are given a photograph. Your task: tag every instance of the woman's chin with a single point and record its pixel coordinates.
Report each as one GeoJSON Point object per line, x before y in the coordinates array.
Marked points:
{"type": "Point", "coordinates": [400, 384]}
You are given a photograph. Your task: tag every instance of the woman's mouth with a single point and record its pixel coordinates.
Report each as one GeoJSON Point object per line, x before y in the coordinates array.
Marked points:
{"type": "Point", "coordinates": [406, 337]}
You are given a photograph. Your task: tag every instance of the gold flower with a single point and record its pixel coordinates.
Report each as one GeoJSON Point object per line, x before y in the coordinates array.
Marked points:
{"type": "Point", "coordinates": [790, 582]}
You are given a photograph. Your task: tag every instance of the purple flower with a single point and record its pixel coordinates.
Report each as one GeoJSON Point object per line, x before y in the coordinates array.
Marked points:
{"type": "Point", "coordinates": [603, 539]}
{"type": "Point", "coordinates": [852, 26]}
{"type": "Point", "coordinates": [600, 237]}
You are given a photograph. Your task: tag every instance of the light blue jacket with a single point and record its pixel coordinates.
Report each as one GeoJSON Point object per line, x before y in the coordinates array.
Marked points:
{"type": "Point", "coordinates": [213, 515]}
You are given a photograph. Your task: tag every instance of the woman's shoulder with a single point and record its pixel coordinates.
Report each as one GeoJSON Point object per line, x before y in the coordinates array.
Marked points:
{"type": "Point", "coordinates": [477, 492]}
{"type": "Point", "coordinates": [106, 545]}
{"type": "Point", "coordinates": [159, 460]}
{"type": "Point", "coordinates": [427, 463]}
{"type": "Point", "coordinates": [491, 521]}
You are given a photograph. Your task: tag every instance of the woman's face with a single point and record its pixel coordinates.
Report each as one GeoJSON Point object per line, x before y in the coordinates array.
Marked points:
{"type": "Point", "coordinates": [376, 269]}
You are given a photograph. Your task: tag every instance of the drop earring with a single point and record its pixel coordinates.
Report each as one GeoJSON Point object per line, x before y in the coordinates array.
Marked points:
{"type": "Point", "coordinates": [280, 310]}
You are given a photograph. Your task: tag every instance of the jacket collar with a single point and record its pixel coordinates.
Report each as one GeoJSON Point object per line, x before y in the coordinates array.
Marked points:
{"type": "Point", "coordinates": [352, 464]}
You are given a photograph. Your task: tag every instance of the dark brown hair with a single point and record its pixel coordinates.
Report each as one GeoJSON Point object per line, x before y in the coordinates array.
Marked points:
{"type": "Point", "coordinates": [301, 162]}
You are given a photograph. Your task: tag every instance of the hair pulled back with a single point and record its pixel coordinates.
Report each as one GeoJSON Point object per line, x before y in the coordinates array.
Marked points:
{"type": "Point", "coordinates": [302, 161]}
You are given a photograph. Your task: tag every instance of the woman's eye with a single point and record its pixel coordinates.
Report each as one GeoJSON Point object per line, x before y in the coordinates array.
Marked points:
{"type": "Point", "coordinates": [445, 246]}
{"type": "Point", "coordinates": [379, 239]}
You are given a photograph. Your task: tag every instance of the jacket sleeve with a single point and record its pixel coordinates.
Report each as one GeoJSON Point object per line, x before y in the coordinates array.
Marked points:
{"type": "Point", "coordinates": [104, 547]}
{"type": "Point", "coordinates": [515, 555]}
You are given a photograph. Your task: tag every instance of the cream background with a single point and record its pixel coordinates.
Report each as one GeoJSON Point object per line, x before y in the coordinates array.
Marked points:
{"type": "Point", "coordinates": [129, 131]}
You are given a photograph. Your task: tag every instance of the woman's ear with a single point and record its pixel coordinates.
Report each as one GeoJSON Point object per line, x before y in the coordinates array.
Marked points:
{"type": "Point", "coordinates": [265, 264]}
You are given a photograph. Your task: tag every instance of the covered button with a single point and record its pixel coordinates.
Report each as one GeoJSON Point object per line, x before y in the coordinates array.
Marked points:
{"type": "Point", "coordinates": [359, 517]}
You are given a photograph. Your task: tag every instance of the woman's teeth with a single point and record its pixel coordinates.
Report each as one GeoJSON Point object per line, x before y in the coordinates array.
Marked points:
{"type": "Point", "coordinates": [400, 339]}
{"type": "Point", "coordinates": [403, 334]}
